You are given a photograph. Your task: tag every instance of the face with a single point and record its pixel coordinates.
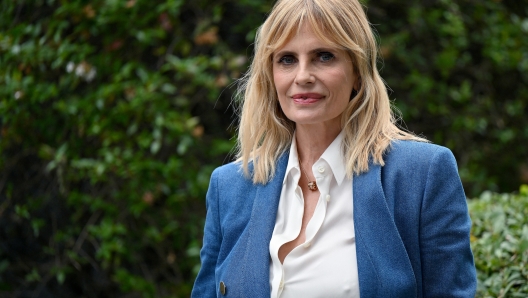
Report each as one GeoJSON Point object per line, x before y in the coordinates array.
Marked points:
{"type": "Point", "coordinates": [314, 81]}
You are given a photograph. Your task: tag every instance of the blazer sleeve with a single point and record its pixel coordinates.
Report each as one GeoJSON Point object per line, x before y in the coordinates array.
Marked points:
{"type": "Point", "coordinates": [205, 283]}
{"type": "Point", "coordinates": [448, 268]}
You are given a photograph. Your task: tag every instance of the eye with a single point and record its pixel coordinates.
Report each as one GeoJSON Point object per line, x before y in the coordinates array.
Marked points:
{"type": "Point", "coordinates": [325, 56]}
{"type": "Point", "coordinates": [287, 60]}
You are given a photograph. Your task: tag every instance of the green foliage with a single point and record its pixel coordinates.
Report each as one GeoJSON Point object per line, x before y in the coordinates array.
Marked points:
{"type": "Point", "coordinates": [113, 115]}
{"type": "Point", "coordinates": [108, 124]}
{"type": "Point", "coordinates": [459, 72]}
{"type": "Point", "coordinates": [500, 243]}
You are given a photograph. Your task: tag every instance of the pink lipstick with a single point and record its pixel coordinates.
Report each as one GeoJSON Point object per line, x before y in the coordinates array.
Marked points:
{"type": "Point", "coordinates": [306, 98]}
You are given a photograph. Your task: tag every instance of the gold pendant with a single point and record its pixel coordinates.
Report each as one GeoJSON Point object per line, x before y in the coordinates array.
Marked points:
{"type": "Point", "coordinates": [312, 185]}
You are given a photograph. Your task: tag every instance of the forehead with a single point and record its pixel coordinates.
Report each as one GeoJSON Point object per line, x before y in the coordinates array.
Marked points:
{"type": "Point", "coordinates": [304, 36]}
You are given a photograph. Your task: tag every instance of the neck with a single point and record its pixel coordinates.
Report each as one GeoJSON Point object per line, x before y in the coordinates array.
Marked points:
{"type": "Point", "coordinates": [312, 141]}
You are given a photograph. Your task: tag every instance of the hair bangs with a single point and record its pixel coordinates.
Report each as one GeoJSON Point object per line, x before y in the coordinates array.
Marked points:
{"type": "Point", "coordinates": [288, 24]}
{"type": "Point", "coordinates": [291, 16]}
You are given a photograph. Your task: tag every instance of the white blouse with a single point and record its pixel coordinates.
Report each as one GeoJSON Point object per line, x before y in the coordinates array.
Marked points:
{"type": "Point", "coordinates": [325, 265]}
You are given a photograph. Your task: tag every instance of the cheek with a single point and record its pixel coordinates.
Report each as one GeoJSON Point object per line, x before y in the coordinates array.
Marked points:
{"type": "Point", "coordinates": [340, 82]}
{"type": "Point", "coordinates": [276, 79]}
{"type": "Point", "coordinates": [347, 81]}
{"type": "Point", "coordinates": [280, 81]}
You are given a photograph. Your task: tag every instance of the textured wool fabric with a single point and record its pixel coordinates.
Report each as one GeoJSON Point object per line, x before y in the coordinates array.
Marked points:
{"type": "Point", "coordinates": [410, 218]}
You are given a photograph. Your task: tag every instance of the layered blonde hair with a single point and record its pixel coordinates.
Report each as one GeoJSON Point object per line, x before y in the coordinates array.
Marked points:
{"type": "Point", "coordinates": [265, 133]}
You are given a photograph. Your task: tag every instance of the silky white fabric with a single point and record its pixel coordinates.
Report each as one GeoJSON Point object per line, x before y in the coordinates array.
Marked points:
{"type": "Point", "coordinates": [325, 265]}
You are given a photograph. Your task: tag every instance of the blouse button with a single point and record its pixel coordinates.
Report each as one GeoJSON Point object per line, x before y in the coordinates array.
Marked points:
{"type": "Point", "coordinates": [307, 244]}
{"type": "Point", "coordinates": [328, 198]}
{"type": "Point", "coordinates": [321, 169]}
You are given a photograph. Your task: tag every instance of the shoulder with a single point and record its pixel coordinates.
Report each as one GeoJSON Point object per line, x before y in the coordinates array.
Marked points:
{"type": "Point", "coordinates": [413, 150]}
{"type": "Point", "coordinates": [233, 172]}
{"type": "Point", "coordinates": [418, 161]}
{"type": "Point", "coordinates": [230, 177]}
{"type": "Point", "coordinates": [416, 154]}
{"type": "Point", "coordinates": [229, 171]}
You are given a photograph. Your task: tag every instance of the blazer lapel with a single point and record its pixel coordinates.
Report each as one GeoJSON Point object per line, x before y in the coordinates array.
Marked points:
{"type": "Point", "coordinates": [384, 267]}
{"type": "Point", "coordinates": [255, 271]}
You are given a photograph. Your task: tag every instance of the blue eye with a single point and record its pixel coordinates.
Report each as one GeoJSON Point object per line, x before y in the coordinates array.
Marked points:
{"type": "Point", "coordinates": [287, 60]}
{"type": "Point", "coordinates": [326, 56]}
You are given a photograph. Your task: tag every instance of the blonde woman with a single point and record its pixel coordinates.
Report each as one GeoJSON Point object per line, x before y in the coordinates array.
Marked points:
{"type": "Point", "coordinates": [328, 197]}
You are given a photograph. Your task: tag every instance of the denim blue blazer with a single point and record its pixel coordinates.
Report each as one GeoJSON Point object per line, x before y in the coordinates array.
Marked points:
{"type": "Point", "coordinates": [411, 224]}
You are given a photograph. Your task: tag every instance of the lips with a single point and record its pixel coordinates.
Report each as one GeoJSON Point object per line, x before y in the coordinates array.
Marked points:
{"type": "Point", "coordinates": [305, 98]}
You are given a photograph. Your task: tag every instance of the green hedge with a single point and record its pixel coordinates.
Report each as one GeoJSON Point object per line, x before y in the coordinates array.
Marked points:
{"type": "Point", "coordinates": [499, 240]}
{"type": "Point", "coordinates": [109, 134]}
{"type": "Point", "coordinates": [113, 114]}
{"type": "Point", "coordinates": [459, 71]}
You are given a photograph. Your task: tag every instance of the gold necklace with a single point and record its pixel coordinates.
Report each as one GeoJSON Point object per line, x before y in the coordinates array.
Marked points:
{"type": "Point", "coordinates": [312, 185]}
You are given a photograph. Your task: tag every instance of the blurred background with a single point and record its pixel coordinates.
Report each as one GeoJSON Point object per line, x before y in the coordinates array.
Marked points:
{"type": "Point", "coordinates": [113, 114]}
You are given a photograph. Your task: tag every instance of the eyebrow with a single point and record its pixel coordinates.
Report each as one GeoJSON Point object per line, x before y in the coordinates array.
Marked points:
{"type": "Point", "coordinates": [314, 51]}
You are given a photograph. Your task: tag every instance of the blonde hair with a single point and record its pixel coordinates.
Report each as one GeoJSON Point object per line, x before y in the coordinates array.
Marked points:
{"type": "Point", "coordinates": [265, 133]}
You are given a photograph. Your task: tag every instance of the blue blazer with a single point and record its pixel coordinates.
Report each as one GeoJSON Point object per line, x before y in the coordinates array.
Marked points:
{"type": "Point", "coordinates": [411, 224]}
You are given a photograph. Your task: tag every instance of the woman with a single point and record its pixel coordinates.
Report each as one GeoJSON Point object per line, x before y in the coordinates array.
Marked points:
{"type": "Point", "coordinates": [328, 197]}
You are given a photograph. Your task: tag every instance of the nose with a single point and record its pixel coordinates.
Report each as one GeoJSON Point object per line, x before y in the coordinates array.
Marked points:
{"type": "Point", "coordinates": [304, 74]}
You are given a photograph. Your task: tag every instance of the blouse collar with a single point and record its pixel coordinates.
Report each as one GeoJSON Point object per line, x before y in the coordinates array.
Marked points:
{"type": "Point", "coordinates": [333, 155]}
